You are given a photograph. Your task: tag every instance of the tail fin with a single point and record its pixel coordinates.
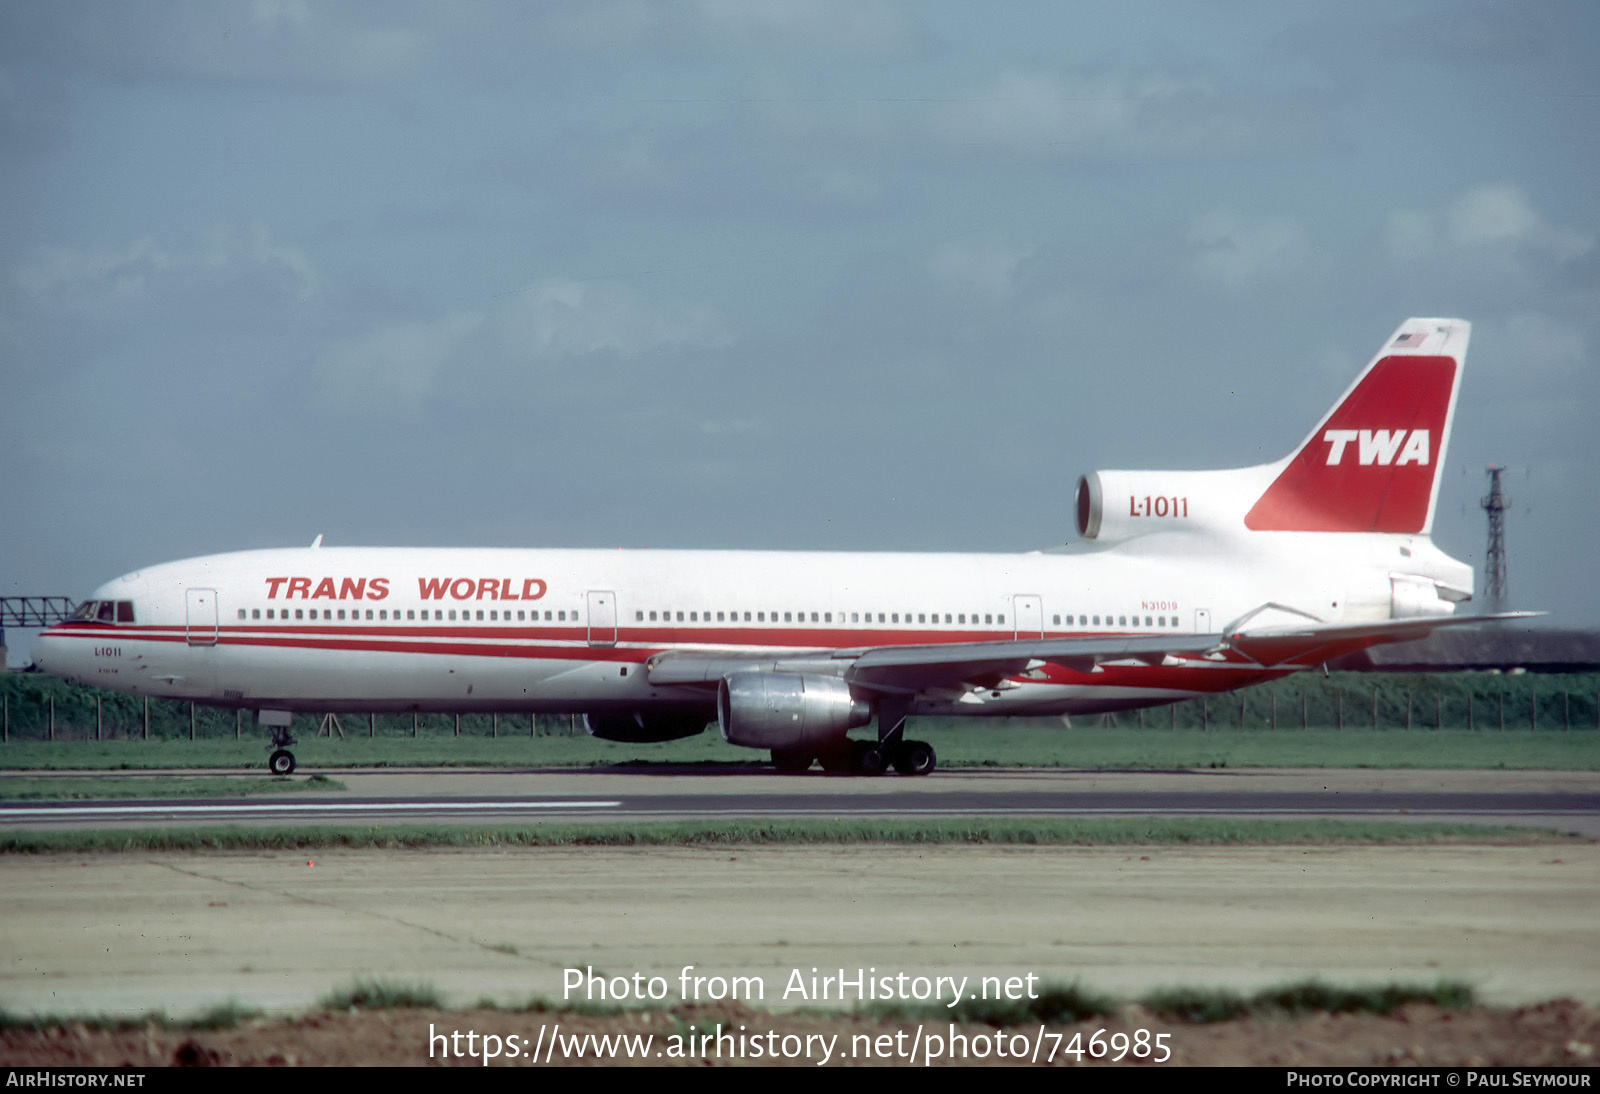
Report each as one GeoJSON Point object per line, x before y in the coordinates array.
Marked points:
{"type": "Point", "coordinates": [1373, 463]}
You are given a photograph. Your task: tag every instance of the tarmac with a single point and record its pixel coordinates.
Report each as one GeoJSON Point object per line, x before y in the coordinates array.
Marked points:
{"type": "Point", "coordinates": [127, 933]}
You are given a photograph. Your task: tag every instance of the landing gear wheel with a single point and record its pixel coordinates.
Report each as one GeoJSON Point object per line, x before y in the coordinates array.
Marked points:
{"type": "Point", "coordinates": [791, 760]}
{"type": "Point", "coordinates": [915, 758]}
{"type": "Point", "coordinates": [281, 762]}
{"type": "Point", "coordinates": [869, 758]}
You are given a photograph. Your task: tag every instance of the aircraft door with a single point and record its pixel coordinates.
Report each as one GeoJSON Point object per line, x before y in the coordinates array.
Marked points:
{"type": "Point", "coordinates": [602, 618]}
{"type": "Point", "coordinates": [1027, 613]}
{"type": "Point", "coordinates": [1202, 621]}
{"type": "Point", "coordinates": [202, 617]}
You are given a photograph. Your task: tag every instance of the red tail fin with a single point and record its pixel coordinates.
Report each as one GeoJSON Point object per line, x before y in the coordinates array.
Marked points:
{"type": "Point", "coordinates": [1373, 463]}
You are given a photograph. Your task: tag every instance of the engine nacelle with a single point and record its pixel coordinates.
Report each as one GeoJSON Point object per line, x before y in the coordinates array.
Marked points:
{"type": "Point", "coordinates": [786, 711]}
{"type": "Point", "coordinates": [1118, 505]}
{"type": "Point", "coordinates": [640, 728]}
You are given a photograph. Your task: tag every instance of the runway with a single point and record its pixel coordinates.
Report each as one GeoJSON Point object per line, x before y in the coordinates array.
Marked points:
{"type": "Point", "coordinates": [125, 933]}
{"type": "Point", "coordinates": [1569, 801]}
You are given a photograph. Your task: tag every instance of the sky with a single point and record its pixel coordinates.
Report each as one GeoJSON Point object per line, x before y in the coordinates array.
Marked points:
{"type": "Point", "coordinates": [836, 274]}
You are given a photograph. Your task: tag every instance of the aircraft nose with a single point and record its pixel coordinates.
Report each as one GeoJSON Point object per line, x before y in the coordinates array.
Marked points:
{"type": "Point", "coordinates": [46, 653]}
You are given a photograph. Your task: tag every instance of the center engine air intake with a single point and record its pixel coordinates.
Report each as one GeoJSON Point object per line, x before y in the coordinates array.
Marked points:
{"type": "Point", "coordinates": [1112, 506]}
{"type": "Point", "coordinates": [783, 710]}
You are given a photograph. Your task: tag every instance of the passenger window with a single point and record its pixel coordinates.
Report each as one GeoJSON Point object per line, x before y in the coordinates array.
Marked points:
{"type": "Point", "coordinates": [1147, 621]}
{"type": "Point", "coordinates": [720, 617]}
{"type": "Point", "coordinates": [452, 615]}
{"type": "Point", "coordinates": [895, 618]}
{"type": "Point", "coordinates": [747, 617]}
{"type": "Point", "coordinates": [827, 617]}
{"type": "Point", "coordinates": [1174, 621]}
{"type": "Point", "coordinates": [341, 613]}
{"type": "Point", "coordinates": [988, 620]}
{"type": "Point", "coordinates": [788, 617]}
{"type": "Point", "coordinates": [1161, 621]}
{"type": "Point", "coordinates": [1000, 619]}
{"type": "Point", "coordinates": [1122, 621]}
{"type": "Point", "coordinates": [813, 617]}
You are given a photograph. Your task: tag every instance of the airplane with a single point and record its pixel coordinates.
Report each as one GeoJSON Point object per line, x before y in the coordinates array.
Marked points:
{"type": "Point", "coordinates": [1183, 584]}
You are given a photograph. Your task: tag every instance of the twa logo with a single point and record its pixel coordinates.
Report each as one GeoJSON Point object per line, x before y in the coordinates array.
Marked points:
{"type": "Point", "coordinates": [1378, 446]}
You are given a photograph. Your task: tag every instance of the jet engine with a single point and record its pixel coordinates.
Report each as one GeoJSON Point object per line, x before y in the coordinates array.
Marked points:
{"type": "Point", "coordinates": [1118, 505]}
{"type": "Point", "coordinates": [640, 728]}
{"type": "Point", "coordinates": [786, 711]}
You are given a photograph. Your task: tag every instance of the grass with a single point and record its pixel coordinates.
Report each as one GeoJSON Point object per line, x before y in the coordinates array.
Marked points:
{"type": "Point", "coordinates": [373, 994]}
{"type": "Point", "coordinates": [89, 788]}
{"type": "Point", "coordinates": [222, 1016]}
{"type": "Point", "coordinates": [1059, 1004]}
{"type": "Point", "coordinates": [1055, 1004]}
{"type": "Point", "coordinates": [980, 831]}
{"type": "Point", "coordinates": [1014, 743]}
{"type": "Point", "coordinates": [1305, 997]}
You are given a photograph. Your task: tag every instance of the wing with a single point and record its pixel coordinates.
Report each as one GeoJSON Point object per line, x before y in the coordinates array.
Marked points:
{"type": "Point", "coordinates": [907, 670]}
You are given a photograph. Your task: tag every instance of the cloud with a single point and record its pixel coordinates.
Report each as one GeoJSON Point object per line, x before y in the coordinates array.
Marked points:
{"type": "Point", "coordinates": [1492, 224]}
{"type": "Point", "coordinates": [1546, 348]}
{"type": "Point", "coordinates": [978, 271]}
{"type": "Point", "coordinates": [772, 161]}
{"type": "Point", "coordinates": [286, 43]}
{"type": "Point", "coordinates": [396, 362]}
{"type": "Point", "coordinates": [1230, 253]}
{"type": "Point", "coordinates": [700, 26]}
{"type": "Point", "coordinates": [1085, 118]}
{"type": "Point", "coordinates": [94, 278]}
{"type": "Point", "coordinates": [551, 324]}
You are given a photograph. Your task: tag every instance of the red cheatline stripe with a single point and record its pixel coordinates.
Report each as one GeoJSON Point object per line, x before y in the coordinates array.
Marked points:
{"type": "Point", "coordinates": [664, 637]}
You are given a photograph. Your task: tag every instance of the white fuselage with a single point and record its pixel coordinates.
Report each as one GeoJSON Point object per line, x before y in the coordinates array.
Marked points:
{"type": "Point", "coordinates": [396, 629]}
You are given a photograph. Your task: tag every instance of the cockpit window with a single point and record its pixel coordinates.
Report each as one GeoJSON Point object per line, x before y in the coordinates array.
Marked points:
{"type": "Point", "coordinates": [103, 611]}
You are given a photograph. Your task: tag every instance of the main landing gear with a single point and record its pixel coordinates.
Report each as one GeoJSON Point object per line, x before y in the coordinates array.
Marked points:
{"type": "Point", "coordinates": [868, 757]}
{"type": "Point", "coordinates": [862, 758]}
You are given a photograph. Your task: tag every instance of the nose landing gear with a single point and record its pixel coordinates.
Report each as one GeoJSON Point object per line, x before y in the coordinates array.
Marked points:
{"type": "Point", "coordinates": [281, 762]}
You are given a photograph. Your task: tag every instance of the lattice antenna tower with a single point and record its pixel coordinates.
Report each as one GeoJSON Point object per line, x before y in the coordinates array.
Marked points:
{"type": "Point", "coordinates": [1495, 503]}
